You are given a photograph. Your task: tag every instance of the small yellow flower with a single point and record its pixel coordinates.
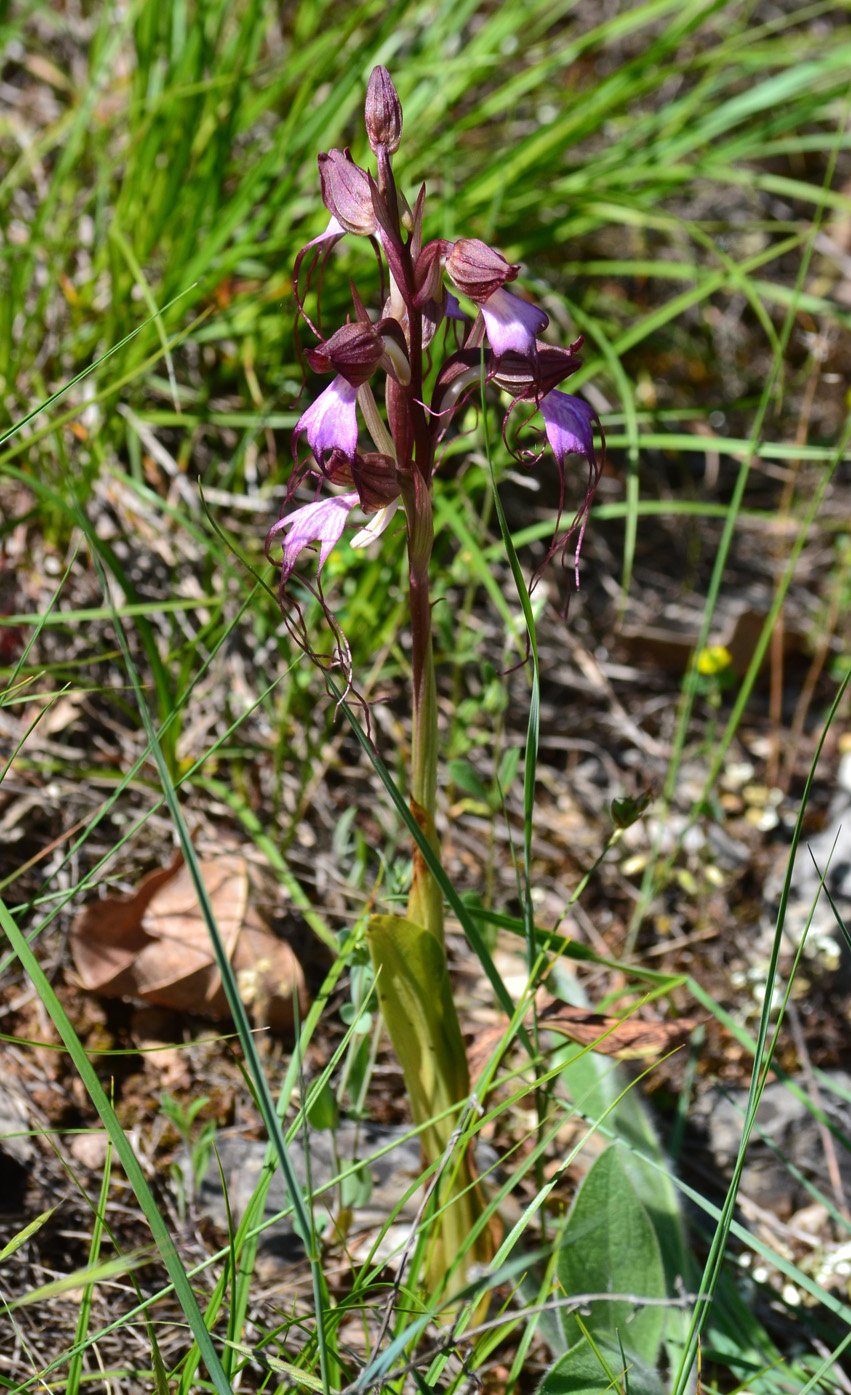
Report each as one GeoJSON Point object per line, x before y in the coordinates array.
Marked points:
{"type": "Point", "coordinates": [713, 659]}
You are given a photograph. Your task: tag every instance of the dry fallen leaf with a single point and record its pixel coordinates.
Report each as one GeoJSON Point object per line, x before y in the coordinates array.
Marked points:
{"type": "Point", "coordinates": [626, 1038]}
{"type": "Point", "coordinates": [155, 945]}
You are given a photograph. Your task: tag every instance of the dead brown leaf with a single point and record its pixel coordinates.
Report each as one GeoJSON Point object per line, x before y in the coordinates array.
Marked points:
{"type": "Point", "coordinates": [627, 1038]}
{"type": "Point", "coordinates": [155, 945]}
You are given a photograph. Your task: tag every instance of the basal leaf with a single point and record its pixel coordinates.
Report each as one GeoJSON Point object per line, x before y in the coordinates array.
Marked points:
{"type": "Point", "coordinates": [581, 1371]}
{"type": "Point", "coordinates": [609, 1246]}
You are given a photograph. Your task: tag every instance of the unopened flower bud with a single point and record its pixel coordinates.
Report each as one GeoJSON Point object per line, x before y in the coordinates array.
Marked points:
{"type": "Point", "coordinates": [374, 476]}
{"type": "Point", "coordinates": [530, 379]}
{"type": "Point", "coordinates": [353, 351]}
{"type": "Point", "coordinates": [346, 192]}
{"type": "Point", "coordinates": [428, 272]}
{"type": "Point", "coordinates": [383, 112]}
{"type": "Point", "coordinates": [476, 270]}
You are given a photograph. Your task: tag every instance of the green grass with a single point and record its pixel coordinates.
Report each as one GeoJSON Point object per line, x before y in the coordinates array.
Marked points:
{"type": "Point", "coordinates": [674, 179]}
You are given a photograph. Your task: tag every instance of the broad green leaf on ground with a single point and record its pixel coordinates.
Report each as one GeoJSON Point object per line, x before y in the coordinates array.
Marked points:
{"type": "Point", "coordinates": [609, 1245]}
{"type": "Point", "coordinates": [599, 1089]}
{"type": "Point", "coordinates": [582, 1371]}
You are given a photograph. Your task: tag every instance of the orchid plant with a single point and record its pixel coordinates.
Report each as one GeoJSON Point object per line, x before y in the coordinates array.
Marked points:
{"type": "Point", "coordinates": [434, 355]}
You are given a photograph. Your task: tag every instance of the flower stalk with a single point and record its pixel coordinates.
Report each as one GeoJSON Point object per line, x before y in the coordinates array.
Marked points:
{"type": "Point", "coordinates": [425, 904]}
{"type": "Point", "coordinates": [499, 336]}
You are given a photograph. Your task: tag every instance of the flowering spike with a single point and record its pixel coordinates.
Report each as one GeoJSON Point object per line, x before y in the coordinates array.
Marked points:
{"type": "Point", "coordinates": [501, 342]}
{"type": "Point", "coordinates": [382, 112]}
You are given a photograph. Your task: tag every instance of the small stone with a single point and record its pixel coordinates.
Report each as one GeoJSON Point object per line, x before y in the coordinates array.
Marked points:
{"type": "Point", "coordinates": [811, 1220]}
{"type": "Point", "coordinates": [89, 1149]}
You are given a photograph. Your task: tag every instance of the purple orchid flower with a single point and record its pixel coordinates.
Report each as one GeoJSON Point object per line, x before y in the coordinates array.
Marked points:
{"type": "Point", "coordinates": [513, 325]}
{"type": "Point", "coordinates": [321, 522]}
{"type": "Point", "coordinates": [569, 426]}
{"type": "Point", "coordinates": [331, 422]}
{"type": "Point", "coordinates": [398, 340]}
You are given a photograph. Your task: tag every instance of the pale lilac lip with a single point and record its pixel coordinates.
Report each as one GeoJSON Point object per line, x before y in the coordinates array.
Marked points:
{"type": "Point", "coordinates": [569, 424]}
{"type": "Point", "coordinates": [331, 422]}
{"type": "Point", "coordinates": [321, 522]}
{"type": "Point", "coordinates": [512, 324]}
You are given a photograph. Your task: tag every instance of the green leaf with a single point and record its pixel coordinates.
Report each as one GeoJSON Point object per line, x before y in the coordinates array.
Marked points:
{"type": "Point", "coordinates": [464, 776]}
{"type": "Point", "coordinates": [300, 1379]}
{"type": "Point", "coordinates": [601, 1091]}
{"type": "Point", "coordinates": [508, 768]}
{"type": "Point", "coordinates": [582, 1371]}
{"type": "Point", "coordinates": [104, 1272]}
{"type": "Point", "coordinates": [419, 1012]}
{"type": "Point", "coordinates": [609, 1245]}
{"type": "Point", "coordinates": [322, 1112]}
{"type": "Point", "coordinates": [360, 1022]}
{"type": "Point", "coordinates": [356, 1187]}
